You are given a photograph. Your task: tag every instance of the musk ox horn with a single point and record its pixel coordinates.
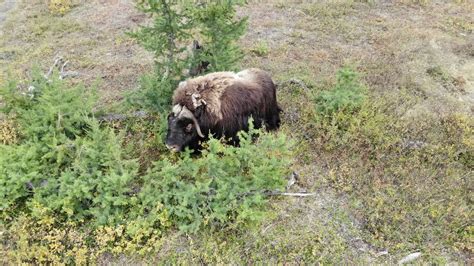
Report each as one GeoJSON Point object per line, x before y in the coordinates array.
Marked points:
{"type": "Point", "coordinates": [177, 109]}
{"type": "Point", "coordinates": [183, 111]}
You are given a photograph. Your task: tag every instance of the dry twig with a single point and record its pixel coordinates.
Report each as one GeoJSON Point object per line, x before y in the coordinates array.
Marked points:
{"type": "Point", "coordinates": [121, 117]}
{"type": "Point", "coordinates": [301, 194]}
{"type": "Point", "coordinates": [60, 64]}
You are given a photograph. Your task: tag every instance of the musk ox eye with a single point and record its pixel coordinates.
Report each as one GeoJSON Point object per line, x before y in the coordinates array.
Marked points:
{"type": "Point", "coordinates": [189, 128]}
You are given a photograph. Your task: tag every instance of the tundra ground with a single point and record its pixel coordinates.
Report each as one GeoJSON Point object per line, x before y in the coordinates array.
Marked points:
{"type": "Point", "coordinates": [375, 202]}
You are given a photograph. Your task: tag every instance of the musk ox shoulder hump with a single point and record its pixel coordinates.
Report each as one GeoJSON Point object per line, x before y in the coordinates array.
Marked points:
{"type": "Point", "coordinates": [211, 87]}
{"type": "Point", "coordinates": [256, 75]}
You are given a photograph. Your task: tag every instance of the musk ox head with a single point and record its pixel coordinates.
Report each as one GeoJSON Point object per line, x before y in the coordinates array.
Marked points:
{"type": "Point", "coordinates": [183, 129]}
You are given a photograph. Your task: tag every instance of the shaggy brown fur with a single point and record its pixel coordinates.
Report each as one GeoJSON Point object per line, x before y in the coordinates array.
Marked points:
{"type": "Point", "coordinates": [229, 99]}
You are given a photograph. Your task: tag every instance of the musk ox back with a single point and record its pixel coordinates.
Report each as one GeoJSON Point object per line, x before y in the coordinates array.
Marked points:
{"type": "Point", "coordinates": [221, 104]}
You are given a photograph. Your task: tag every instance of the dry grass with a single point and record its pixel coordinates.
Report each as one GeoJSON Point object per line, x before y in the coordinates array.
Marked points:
{"type": "Point", "coordinates": [392, 44]}
{"type": "Point", "coordinates": [415, 60]}
{"type": "Point", "coordinates": [90, 35]}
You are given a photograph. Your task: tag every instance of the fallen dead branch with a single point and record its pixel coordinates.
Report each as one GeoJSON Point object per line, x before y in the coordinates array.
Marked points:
{"type": "Point", "coordinates": [278, 193]}
{"type": "Point", "coordinates": [291, 194]}
{"type": "Point", "coordinates": [60, 64]}
{"type": "Point", "coordinates": [121, 117]}
{"type": "Point", "coordinates": [409, 258]}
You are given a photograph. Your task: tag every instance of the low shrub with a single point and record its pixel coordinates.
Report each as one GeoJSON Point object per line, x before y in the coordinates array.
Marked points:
{"type": "Point", "coordinates": [260, 49]}
{"type": "Point", "coordinates": [224, 184]}
{"type": "Point", "coordinates": [346, 96]}
{"type": "Point", "coordinates": [45, 241]}
{"type": "Point", "coordinates": [59, 7]}
{"type": "Point", "coordinates": [8, 132]}
{"type": "Point", "coordinates": [71, 187]}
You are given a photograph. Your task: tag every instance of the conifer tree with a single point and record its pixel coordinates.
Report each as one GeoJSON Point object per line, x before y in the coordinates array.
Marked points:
{"type": "Point", "coordinates": [219, 30]}
{"type": "Point", "coordinates": [176, 26]}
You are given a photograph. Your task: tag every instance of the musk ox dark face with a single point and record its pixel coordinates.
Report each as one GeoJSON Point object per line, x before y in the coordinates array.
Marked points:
{"type": "Point", "coordinates": [181, 133]}
{"type": "Point", "coordinates": [183, 129]}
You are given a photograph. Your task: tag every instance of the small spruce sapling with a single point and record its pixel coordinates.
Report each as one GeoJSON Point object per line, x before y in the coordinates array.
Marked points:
{"type": "Point", "coordinates": [175, 28]}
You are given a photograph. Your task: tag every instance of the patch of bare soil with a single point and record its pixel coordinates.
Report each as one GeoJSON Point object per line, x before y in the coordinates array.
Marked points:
{"type": "Point", "coordinates": [5, 6]}
{"type": "Point", "coordinates": [117, 59]}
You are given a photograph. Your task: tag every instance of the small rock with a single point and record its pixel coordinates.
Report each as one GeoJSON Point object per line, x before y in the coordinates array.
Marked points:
{"type": "Point", "coordinates": [44, 183]}
{"type": "Point", "coordinates": [414, 144]}
{"type": "Point", "coordinates": [29, 185]}
{"type": "Point", "coordinates": [293, 179]}
{"type": "Point", "coordinates": [410, 257]}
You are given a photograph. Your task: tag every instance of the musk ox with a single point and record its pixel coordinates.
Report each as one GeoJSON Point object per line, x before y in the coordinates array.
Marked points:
{"type": "Point", "coordinates": [221, 104]}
